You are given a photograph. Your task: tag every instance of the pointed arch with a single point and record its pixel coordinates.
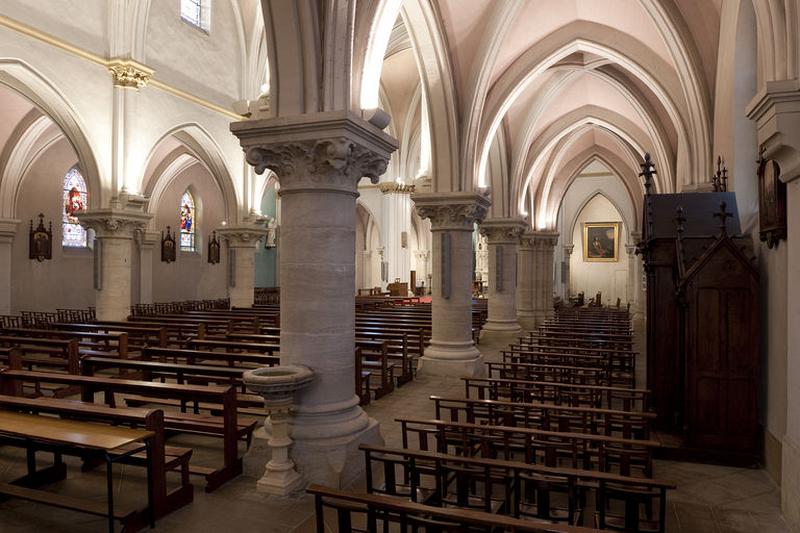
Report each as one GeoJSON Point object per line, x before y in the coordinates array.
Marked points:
{"type": "Point", "coordinates": [28, 82]}
{"type": "Point", "coordinates": [198, 144]}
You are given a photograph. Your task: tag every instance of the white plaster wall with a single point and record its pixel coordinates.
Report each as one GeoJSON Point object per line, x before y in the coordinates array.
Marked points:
{"type": "Point", "coordinates": [608, 277]}
{"type": "Point", "coordinates": [81, 22]}
{"type": "Point", "coordinates": [207, 64]}
{"type": "Point", "coordinates": [190, 277]}
{"type": "Point", "coordinates": [66, 281]}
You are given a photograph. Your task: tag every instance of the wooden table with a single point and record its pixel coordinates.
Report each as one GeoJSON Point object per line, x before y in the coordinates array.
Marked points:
{"type": "Point", "coordinates": [34, 432]}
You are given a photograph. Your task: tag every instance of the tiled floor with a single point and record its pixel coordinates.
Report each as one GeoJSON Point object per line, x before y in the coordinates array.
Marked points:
{"type": "Point", "coordinates": [709, 499]}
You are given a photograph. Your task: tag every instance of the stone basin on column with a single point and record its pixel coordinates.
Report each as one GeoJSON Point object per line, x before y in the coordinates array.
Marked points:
{"type": "Point", "coordinates": [278, 386]}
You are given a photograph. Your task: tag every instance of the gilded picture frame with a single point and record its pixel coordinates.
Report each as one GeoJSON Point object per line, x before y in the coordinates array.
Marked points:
{"type": "Point", "coordinates": [601, 242]}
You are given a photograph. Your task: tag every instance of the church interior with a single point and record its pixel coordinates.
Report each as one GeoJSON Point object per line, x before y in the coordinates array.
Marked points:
{"type": "Point", "coordinates": [390, 265]}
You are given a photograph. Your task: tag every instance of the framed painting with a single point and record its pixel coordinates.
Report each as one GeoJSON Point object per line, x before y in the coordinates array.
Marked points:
{"type": "Point", "coordinates": [600, 241]}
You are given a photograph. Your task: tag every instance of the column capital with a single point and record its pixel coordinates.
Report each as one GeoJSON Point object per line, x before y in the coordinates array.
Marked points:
{"type": "Point", "coordinates": [388, 187]}
{"type": "Point", "coordinates": [630, 249]}
{"type": "Point", "coordinates": [129, 73]}
{"type": "Point", "coordinates": [503, 230]}
{"type": "Point", "coordinates": [316, 151]}
{"type": "Point", "coordinates": [776, 110]}
{"type": "Point", "coordinates": [545, 239]}
{"type": "Point", "coordinates": [242, 236]}
{"type": "Point", "coordinates": [451, 211]}
{"type": "Point", "coordinates": [569, 248]}
{"type": "Point", "coordinates": [113, 222]}
{"type": "Point", "coordinates": [8, 229]}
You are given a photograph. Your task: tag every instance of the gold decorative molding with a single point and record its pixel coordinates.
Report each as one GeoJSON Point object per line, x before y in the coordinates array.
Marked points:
{"type": "Point", "coordinates": [46, 38]}
{"type": "Point", "coordinates": [129, 73]}
{"type": "Point", "coordinates": [393, 186]}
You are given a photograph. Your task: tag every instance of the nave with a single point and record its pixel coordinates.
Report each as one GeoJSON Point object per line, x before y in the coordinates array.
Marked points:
{"type": "Point", "coordinates": [707, 498]}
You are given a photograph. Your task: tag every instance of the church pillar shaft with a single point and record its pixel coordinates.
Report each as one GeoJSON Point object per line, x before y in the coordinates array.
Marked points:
{"type": "Point", "coordinates": [114, 230]}
{"type": "Point", "coordinates": [525, 281]}
{"type": "Point", "coordinates": [776, 110]}
{"type": "Point", "coordinates": [544, 252]}
{"type": "Point", "coordinates": [318, 170]}
{"type": "Point", "coordinates": [242, 240]}
{"type": "Point", "coordinates": [503, 236]}
{"type": "Point", "coordinates": [396, 224]}
{"type": "Point", "coordinates": [453, 215]}
{"type": "Point", "coordinates": [147, 244]}
{"type": "Point", "coordinates": [7, 233]}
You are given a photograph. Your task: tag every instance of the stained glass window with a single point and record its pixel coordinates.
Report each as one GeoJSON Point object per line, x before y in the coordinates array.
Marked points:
{"type": "Point", "coordinates": [74, 199]}
{"type": "Point", "coordinates": [187, 222]}
{"type": "Point", "coordinates": [195, 12]}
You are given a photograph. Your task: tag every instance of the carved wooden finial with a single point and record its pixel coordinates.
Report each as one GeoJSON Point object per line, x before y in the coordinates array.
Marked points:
{"type": "Point", "coordinates": [723, 216]}
{"type": "Point", "coordinates": [720, 178]}
{"type": "Point", "coordinates": [648, 171]}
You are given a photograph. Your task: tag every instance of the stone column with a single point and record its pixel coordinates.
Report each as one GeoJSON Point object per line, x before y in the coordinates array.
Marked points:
{"type": "Point", "coordinates": [114, 229]}
{"type": "Point", "coordinates": [242, 240]}
{"type": "Point", "coordinates": [526, 271]}
{"type": "Point", "coordinates": [8, 230]}
{"type": "Point", "coordinates": [568, 249]}
{"type": "Point", "coordinates": [319, 160]}
{"type": "Point", "coordinates": [544, 248]}
{"type": "Point", "coordinates": [776, 110]}
{"type": "Point", "coordinates": [452, 351]}
{"type": "Point", "coordinates": [366, 270]}
{"type": "Point", "coordinates": [503, 237]}
{"type": "Point", "coordinates": [146, 241]}
{"type": "Point", "coordinates": [396, 221]}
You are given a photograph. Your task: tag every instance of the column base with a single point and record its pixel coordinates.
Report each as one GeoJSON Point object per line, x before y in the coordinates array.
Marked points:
{"type": "Point", "coordinates": [452, 359]}
{"type": "Point", "coordinates": [790, 483]}
{"type": "Point", "coordinates": [335, 462]}
{"type": "Point", "coordinates": [526, 321]}
{"type": "Point", "coordinates": [281, 480]}
{"type": "Point", "coordinates": [504, 326]}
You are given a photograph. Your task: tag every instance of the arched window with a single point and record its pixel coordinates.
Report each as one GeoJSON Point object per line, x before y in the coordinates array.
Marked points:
{"type": "Point", "coordinates": [187, 222]}
{"type": "Point", "coordinates": [196, 13]}
{"type": "Point", "coordinates": [74, 199]}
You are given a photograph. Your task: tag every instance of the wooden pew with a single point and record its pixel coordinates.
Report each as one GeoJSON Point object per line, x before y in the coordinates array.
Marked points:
{"type": "Point", "coordinates": [164, 458]}
{"type": "Point", "coordinates": [575, 394]}
{"type": "Point", "coordinates": [563, 418]}
{"type": "Point", "coordinates": [138, 336]}
{"type": "Point", "coordinates": [551, 448]}
{"type": "Point", "coordinates": [507, 487]}
{"type": "Point", "coordinates": [87, 340]}
{"type": "Point", "coordinates": [372, 508]}
{"type": "Point", "coordinates": [584, 375]}
{"type": "Point", "coordinates": [225, 426]}
{"type": "Point", "coordinates": [51, 353]}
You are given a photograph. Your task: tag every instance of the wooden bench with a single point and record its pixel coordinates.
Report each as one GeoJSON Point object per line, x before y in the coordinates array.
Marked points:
{"type": "Point", "coordinates": [35, 432]}
{"type": "Point", "coordinates": [349, 507]}
{"type": "Point", "coordinates": [512, 488]}
{"type": "Point", "coordinates": [164, 458]}
{"type": "Point", "coordinates": [551, 448]}
{"type": "Point", "coordinates": [564, 418]}
{"type": "Point", "coordinates": [519, 390]}
{"type": "Point", "coordinates": [226, 426]}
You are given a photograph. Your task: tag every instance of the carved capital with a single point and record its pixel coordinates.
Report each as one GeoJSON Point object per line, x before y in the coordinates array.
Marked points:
{"type": "Point", "coordinates": [451, 211]}
{"type": "Point", "coordinates": [545, 240]}
{"type": "Point", "coordinates": [331, 150]}
{"type": "Point", "coordinates": [388, 187]}
{"type": "Point", "coordinates": [339, 163]}
{"type": "Point", "coordinates": [128, 73]}
{"type": "Point", "coordinates": [568, 249]}
{"type": "Point", "coordinates": [503, 230]}
{"type": "Point", "coordinates": [8, 230]}
{"type": "Point", "coordinates": [244, 236]}
{"type": "Point", "coordinates": [114, 223]}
